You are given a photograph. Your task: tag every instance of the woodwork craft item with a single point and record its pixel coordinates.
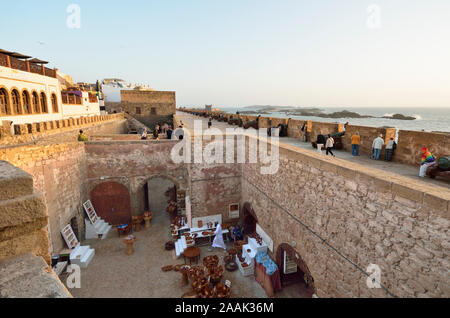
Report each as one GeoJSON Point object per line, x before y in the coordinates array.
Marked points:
{"type": "Point", "coordinates": [231, 266]}
{"type": "Point", "coordinates": [129, 241]}
{"type": "Point", "coordinates": [222, 291]}
{"type": "Point", "coordinates": [147, 216]}
{"type": "Point", "coordinates": [170, 246]}
{"type": "Point", "coordinates": [167, 268]}
{"type": "Point", "coordinates": [192, 253]}
{"type": "Point", "coordinates": [211, 261]}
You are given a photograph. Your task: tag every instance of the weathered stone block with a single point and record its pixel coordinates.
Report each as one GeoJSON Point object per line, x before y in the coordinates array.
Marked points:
{"type": "Point", "coordinates": [14, 182]}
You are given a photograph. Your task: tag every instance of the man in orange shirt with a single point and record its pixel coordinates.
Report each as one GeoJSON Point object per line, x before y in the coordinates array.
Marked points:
{"type": "Point", "coordinates": [356, 139]}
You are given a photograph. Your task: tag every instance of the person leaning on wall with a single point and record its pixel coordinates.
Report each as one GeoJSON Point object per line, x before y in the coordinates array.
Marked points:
{"type": "Point", "coordinates": [390, 147]}
{"type": "Point", "coordinates": [377, 145]}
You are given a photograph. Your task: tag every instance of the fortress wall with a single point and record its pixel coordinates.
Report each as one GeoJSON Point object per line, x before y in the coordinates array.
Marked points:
{"type": "Point", "coordinates": [409, 149]}
{"type": "Point", "coordinates": [409, 142]}
{"type": "Point", "coordinates": [61, 130]}
{"type": "Point", "coordinates": [368, 134]}
{"type": "Point", "coordinates": [59, 173]}
{"type": "Point", "coordinates": [211, 187]}
{"type": "Point", "coordinates": [23, 215]}
{"type": "Point", "coordinates": [338, 213]}
{"type": "Point", "coordinates": [132, 163]}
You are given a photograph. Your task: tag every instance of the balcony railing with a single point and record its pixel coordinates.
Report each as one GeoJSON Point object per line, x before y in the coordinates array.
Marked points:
{"type": "Point", "coordinates": [17, 64]}
{"type": "Point", "coordinates": [71, 98]}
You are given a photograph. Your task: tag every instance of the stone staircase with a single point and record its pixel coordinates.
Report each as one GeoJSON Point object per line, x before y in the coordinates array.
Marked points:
{"type": "Point", "coordinates": [96, 227]}
{"type": "Point", "coordinates": [82, 255]}
{"type": "Point", "coordinates": [98, 230]}
{"type": "Point", "coordinates": [79, 255]}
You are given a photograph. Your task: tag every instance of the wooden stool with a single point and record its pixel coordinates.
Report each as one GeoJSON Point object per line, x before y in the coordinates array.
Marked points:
{"type": "Point", "coordinates": [137, 220]}
{"type": "Point", "coordinates": [147, 218]}
{"type": "Point", "coordinates": [129, 242]}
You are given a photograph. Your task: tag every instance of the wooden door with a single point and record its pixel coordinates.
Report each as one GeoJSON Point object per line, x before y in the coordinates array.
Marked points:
{"type": "Point", "coordinates": [111, 201]}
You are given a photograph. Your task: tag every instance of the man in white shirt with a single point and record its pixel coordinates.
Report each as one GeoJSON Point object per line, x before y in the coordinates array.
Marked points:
{"type": "Point", "coordinates": [377, 145]}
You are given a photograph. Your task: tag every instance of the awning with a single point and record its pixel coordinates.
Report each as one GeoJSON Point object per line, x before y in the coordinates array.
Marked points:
{"type": "Point", "coordinates": [37, 61]}
{"type": "Point", "coordinates": [5, 52]}
{"type": "Point", "coordinates": [19, 56]}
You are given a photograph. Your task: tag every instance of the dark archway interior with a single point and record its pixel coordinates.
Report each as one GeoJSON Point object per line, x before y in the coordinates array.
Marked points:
{"type": "Point", "coordinates": [301, 278]}
{"type": "Point", "coordinates": [249, 219]}
{"type": "Point", "coordinates": [158, 193]}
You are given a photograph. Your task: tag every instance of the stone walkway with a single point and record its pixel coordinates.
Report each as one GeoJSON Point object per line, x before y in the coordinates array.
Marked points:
{"type": "Point", "coordinates": [391, 167]}
{"type": "Point", "coordinates": [112, 273]}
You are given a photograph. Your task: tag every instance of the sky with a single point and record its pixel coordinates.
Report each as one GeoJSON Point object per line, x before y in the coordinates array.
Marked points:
{"type": "Point", "coordinates": [321, 53]}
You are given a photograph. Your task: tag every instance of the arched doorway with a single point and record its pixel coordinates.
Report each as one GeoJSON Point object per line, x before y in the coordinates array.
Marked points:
{"type": "Point", "coordinates": [159, 191]}
{"type": "Point", "coordinates": [111, 201]}
{"type": "Point", "coordinates": [294, 272]}
{"type": "Point", "coordinates": [249, 219]}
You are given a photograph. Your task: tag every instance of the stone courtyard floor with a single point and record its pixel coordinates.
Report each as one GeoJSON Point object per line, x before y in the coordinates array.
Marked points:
{"type": "Point", "coordinates": [113, 274]}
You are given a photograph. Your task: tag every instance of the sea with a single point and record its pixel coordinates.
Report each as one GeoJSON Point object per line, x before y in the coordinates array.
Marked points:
{"type": "Point", "coordinates": [427, 119]}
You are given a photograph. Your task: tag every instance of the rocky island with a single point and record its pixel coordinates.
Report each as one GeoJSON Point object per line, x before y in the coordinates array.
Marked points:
{"type": "Point", "coordinates": [313, 112]}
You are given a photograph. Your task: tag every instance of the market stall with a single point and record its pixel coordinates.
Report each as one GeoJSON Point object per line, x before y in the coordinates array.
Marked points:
{"type": "Point", "coordinates": [267, 273]}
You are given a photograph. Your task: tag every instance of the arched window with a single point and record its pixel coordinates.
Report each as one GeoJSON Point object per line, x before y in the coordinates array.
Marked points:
{"type": "Point", "coordinates": [54, 104]}
{"type": "Point", "coordinates": [4, 102]}
{"type": "Point", "coordinates": [36, 108]}
{"type": "Point", "coordinates": [15, 97]}
{"type": "Point", "coordinates": [44, 103]}
{"type": "Point", "coordinates": [26, 102]}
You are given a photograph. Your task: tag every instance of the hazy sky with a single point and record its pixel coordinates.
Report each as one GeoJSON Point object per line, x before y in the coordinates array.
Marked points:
{"type": "Point", "coordinates": [247, 52]}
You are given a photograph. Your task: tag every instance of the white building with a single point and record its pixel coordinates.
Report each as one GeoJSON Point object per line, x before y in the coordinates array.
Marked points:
{"type": "Point", "coordinates": [31, 92]}
{"type": "Point", "coordinates": [111, 88]}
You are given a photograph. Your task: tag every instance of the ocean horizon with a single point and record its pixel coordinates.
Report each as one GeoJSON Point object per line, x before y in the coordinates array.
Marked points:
{"type": "Point", "coordinates": [427, 119]}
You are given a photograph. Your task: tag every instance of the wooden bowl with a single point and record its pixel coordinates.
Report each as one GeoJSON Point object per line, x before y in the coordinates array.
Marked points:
{"type": "Point", "coordinates": [231, 266]}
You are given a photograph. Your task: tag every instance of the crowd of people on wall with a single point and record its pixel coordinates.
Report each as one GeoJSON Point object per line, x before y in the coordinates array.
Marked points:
{"type": "Point", "coordinates": [164, 129]}
{"type": "Point", "coordinates": [376, 150]}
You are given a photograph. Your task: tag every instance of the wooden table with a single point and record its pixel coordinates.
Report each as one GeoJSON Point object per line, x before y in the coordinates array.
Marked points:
{"type": "Point", "coordinates": [124, 230]}
{"type": "Point", "coordinates": [192, 254]}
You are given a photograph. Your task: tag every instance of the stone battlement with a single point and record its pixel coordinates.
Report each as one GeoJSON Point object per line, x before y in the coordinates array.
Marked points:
{"type": "Point", "coordinates": [31, 132]}
{"type": "Point", "coordinates": [409, 142]}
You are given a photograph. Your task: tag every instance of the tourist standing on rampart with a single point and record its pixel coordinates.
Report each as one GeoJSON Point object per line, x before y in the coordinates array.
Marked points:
{"type": "Point", "coordinates": [209, 122]}
{"type": "Point", "coordinates": [169, 132]}
{"type": "Point", "coordinates": [144, 134]}
{"type": "Point", "coordinates": [427, 160]}
{"type": "Point", "coordinates": [156, 132]}
{"type": "Point", "coordinates": [329, 145]}
{"type": "Point", "coordinates": [390, 147]}
{"type": "Point", "coordinates": [305, 130]}
{"type": "Point", "coordinates": [165, 127]}
{"type": "Point", "coordinates": [356, 140]}
{"type": "Point", "coordinates": [320, 142]}
{"type": "Point", "coordinates": [377, 145]}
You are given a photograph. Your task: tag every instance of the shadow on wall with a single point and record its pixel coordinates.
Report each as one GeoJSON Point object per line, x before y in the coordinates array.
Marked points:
{"type": "Point", "coordinates": [156, 195]}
